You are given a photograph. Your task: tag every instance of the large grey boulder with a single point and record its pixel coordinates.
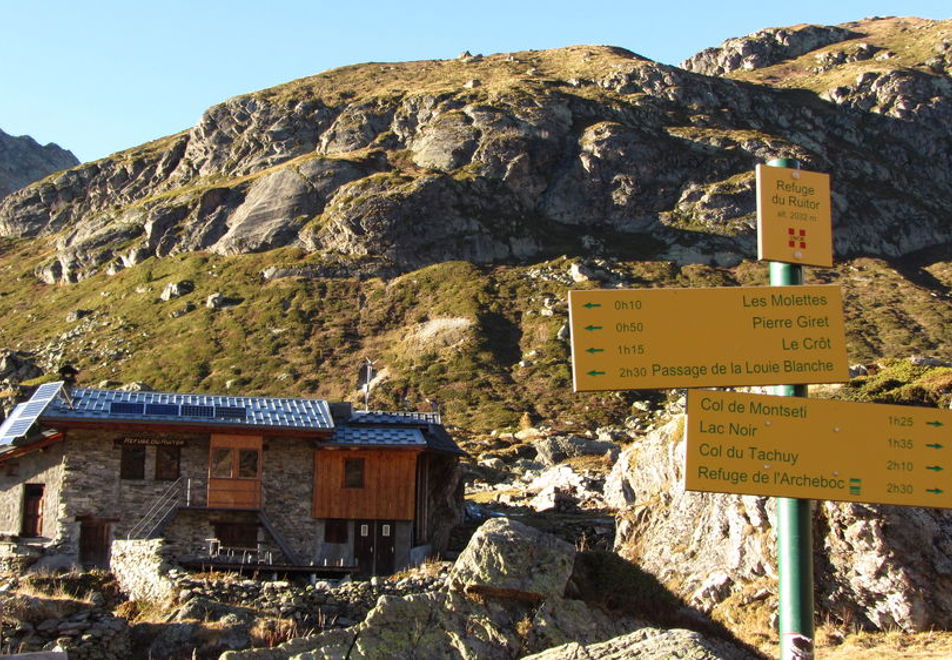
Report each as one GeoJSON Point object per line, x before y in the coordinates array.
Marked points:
{"type": "Point", "coordinates": [648, 644]}
{"type": "Point", "coordinates": [507, 558]}
{"type": "Point", "coordinates": [556, 448]}
{"type": "Point", "coordinates": [448, 624]}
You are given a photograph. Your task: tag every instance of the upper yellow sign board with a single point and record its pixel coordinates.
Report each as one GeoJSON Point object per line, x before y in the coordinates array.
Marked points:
{"type": "Point", "coordinates": [629, 339]}
{"type": "Point", "coordinates": [794, 220]}
{"type": "Point", "coordinates": [818, 449]}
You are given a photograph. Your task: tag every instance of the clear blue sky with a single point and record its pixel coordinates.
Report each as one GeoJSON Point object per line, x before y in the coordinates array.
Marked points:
{"type": "Point", "coordinates": [102, 75]}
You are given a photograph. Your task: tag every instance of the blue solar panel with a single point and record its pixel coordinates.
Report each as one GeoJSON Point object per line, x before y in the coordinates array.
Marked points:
{"type": "Point", "coordinates": [126, 408]}
{"type": "Point", "coordinates": [47, 391]}
{"type": "Point", "coordinates": [34, 408]}
{"type": "Point", "coordinates": [20, 426]}
{"type": "Point", "coordinates": [229, 412]}
{"type": "Point", "coordinates": [189, 410]}
{"type": "Point", "coordinates": [168, 409]}
{"type": "Point", "coordinates": [25, 415]}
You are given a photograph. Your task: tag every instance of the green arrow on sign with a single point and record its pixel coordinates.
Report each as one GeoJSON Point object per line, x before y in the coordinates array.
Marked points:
{"type": "Point", "coordinates": [934, 468]}
{"type": "Point", "coordinates": [594, 350]}
{"type": "Point", "coordinates": [596, 373]}
{"type": "Point", "coordinates": [934, 445]}
{"type": "Point", "coordinates": [593, 327]}
{"type": "Point", "coordinates": [935, 423]}
{"type": "Point", "coordinates": [591, 305]}
{"type": "Point", "coordinates": [934, 491]}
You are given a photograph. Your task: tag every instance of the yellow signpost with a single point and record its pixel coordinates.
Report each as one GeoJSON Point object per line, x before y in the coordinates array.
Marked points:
{"type": "Point", "coordinates": [624, 339]}
{"type": "Point", "coordinates": [794, 219]}
{"type": "Point", "coordinates": [818, 449]}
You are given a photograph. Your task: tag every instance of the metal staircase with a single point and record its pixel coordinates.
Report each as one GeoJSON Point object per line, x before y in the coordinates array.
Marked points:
{"type": "Point", "coordinates": [160, 513]}
{"type": "Point", "coordinates": [278, 538]}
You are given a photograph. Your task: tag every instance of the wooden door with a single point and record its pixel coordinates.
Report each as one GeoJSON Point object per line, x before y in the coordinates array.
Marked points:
{"type": "Point", "coordinates": [234, 472]}
{"type": "Point", "coordinates": [385, 547]}
{"type": "Point", "coordinates": [364, 533]}
{"type": "Point", "coordinates": [374, 546]}
{"type": "Point", "coordinates": [94, 544]}
{"type": "Point", "coordinates": [32, 511]}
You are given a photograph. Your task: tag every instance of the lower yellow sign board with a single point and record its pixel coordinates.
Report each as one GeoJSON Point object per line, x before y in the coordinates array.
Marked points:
{"type": "Point", "coordinates": [627, 339]}
{"type": "Point", "coordinates": [818, 449]}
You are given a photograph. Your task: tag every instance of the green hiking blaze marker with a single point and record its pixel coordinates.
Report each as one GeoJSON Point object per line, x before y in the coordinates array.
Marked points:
{"type": "Point", "coordinates": [596, 373]}
{"type": "Point", "coordinates": [594, 350]}
{"type": "Point", "coordinates": [934, 445]}
{"type": "Point", "coordinates": [935, 423]}
{"type": "Point", "coordinates": [590, 328]}
{"type": "Point", "coordinates": [934, 491]}
{"type": "Point", "coordinates": [934, 468]}
{"type": "Point", "coordinates": [591, 305]}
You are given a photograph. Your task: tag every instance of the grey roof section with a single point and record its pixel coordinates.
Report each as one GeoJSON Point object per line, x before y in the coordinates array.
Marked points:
{"type": "Point", "coordinates": [206, 409]}
{"type": "Point", "coordinates": [437, 439]}
{"type": "Point", "coordinates": [351, 436]}
{"type": "Point", "coordinates": [409, 418]}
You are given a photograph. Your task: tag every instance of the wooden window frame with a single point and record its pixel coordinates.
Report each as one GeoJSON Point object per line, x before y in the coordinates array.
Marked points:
{"type": "Point", "coordinates": [132, 463]}
{"type": "Point", "coordinates": [355, 472]}
{"type": "Point", "coordinates": [170, 452]}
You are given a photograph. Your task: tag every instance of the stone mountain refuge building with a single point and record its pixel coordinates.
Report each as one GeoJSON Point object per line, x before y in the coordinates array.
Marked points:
{"type": "Point", "coordinates": [290, 483]}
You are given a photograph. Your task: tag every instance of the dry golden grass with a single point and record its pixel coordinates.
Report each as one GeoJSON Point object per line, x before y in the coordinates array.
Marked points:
{"type": "Point", "coordinates": [883, 645]}
{"type": "Point", "coordinates": [489, 496]}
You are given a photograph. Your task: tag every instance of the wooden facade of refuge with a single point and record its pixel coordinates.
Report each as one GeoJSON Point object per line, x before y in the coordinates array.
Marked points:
{"type": "Point", "coordinates": [225, 480]}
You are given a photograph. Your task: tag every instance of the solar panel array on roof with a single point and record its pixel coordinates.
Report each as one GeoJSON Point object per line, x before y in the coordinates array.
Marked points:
{"type": "Point", "coordinates": [126, 408]}
{"type": "Point", "coordinates": [189, 410]}
{"type": "Point", "coordinates": [306, 415]}
{"type": "Point", "coordinates": [230, 412]}
{"type": "Point", "coordinates": [24, 415]}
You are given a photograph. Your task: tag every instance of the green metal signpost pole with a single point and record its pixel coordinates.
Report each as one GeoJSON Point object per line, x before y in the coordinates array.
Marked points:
{"type": "Point", "coordinates": [794, 522]}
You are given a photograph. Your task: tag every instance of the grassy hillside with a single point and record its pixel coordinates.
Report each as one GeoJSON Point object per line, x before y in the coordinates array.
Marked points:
{"type": "Point", "coordinates": [481, 342]}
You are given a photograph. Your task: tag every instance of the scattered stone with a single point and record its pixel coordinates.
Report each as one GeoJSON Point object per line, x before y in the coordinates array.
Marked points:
{"type": "Point", "coordinates": [182, 311]}
{"type": "Point", "coordinates": [77, 314]}
{"type": "Point", "coordinates": [177, 289]}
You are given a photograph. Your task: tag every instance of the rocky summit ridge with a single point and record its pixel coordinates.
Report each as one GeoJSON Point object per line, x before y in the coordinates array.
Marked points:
{"type": "Point", "coordinates": [519, 156]}
{"type": "Point", "coordinates": [23, 161]}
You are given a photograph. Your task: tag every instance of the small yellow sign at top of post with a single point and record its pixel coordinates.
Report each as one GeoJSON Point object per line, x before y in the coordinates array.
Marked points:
{"type": "Point", "coordinates": [794, 220]}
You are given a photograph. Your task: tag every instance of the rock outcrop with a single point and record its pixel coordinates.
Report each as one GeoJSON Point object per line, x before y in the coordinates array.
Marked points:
{"type": "Point", "coordinates": [496, 604]}
{"type": "Point", "coordinates": [764, 48]}
{"type": "Point", "coordinates": [23, 161]}
{"type": "Point", "coordinates": [876, 566]}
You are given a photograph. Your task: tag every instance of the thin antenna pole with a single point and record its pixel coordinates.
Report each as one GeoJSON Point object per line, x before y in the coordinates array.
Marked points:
{"type": "Point", "coordinates": [370, 377]}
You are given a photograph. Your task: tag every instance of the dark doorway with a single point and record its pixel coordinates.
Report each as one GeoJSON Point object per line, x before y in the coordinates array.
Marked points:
{"type": "Point", "coordinates": [375, 547]}
{"type": "Point", "coordinates": [94, 544]}
{"type": "Point", "coordinates": [385, 547]}
{"type": "Point", "coordinates": [32, 511]}
{"type": "Point", "coordinates": [364, 546]}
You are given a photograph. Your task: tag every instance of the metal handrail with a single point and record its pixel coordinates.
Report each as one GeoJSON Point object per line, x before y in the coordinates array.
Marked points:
{"type": "Point", "coordinates": [167, 501]}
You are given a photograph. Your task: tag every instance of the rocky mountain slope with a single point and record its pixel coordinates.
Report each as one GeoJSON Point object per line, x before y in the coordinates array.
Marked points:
{"type": "Point", "coordinates": [311, 208]}
{"type": "Point", "coordinates": [23, 161]}
{"type": "Point", "coordinates": [522, 155]}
